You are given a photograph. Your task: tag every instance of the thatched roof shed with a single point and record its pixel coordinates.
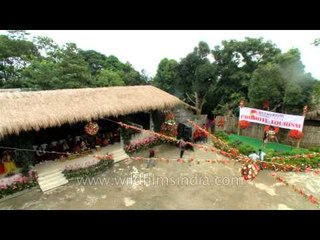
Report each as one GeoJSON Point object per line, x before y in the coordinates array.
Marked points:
{"type": "Point", "coordinates": [23, 111]}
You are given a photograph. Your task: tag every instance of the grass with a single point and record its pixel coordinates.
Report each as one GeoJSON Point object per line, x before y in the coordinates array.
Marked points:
{"type": "Point", "coordinates": [257, 143]}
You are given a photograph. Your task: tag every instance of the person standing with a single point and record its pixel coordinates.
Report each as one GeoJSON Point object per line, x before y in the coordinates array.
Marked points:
{"type": "Point", "coordinates": [151, 162]}
{"type": "Point", "coordinates": [265, 139]}
{"type": "Point", "coordinates": [182, 146]}
{"type": "Point", "coordinates": [261, 158]}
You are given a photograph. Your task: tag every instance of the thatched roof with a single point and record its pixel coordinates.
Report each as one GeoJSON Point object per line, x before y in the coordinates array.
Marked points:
{"type": "Point", "coordinates": [23, 111]}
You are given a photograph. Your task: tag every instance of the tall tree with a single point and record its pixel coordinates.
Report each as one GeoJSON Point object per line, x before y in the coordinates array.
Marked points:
{"type": "Point", "coordinates": [196, 75]}
{"type": "Point", "coordinates": [267, 84]}
{"type": "Point", "coordinates": [166, 77]}
{"type": "Point", "coordinates": [15, 54]}
{"type": "Point", "coordinates": [108, 78]}
{"type": "Point", "coordinates": [236, 61]}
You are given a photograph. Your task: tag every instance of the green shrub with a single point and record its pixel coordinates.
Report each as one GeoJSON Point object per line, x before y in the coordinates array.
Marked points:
{"type": "Point", "coordinates": [235, 143]}
{"type": "Point", "coordinates": [314, 149]}
{"type": "Point", "coordinates": [222, 135]}
{"type": "Point", "coordinates": [245, 149]}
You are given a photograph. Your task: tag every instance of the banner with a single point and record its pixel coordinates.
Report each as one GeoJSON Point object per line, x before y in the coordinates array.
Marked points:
{"type": "Point", "coordinates": [280, 120]}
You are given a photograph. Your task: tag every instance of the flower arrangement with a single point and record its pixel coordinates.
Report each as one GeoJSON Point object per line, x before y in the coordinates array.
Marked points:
{"type": "Point", "coordinates": [142, 144]}
{"type": "Point", "coordinates": [91, 128]}
{"type": "Point", "coordinates": [243, 124]}
{"type": "Point", "coordinates": [92, 168]}
{"type": "Point", "coordinates": [296, 134]}
{"type": "Point", "coordinates": [169, 127]}
{"type": "Point", "coordinates": [17, 183]}
{"type": "Point", "coordinates": [249, 171]}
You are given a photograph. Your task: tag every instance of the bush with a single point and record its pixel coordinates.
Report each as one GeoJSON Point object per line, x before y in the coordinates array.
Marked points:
{"type": "Point", "coordinates": [222, 135]}
{"type": "Point", "coordinates": [235, 143]}
{"type": "Point", "coordinates": [245, 149]}
{"type": "Point", "coordinates": [314, 149]}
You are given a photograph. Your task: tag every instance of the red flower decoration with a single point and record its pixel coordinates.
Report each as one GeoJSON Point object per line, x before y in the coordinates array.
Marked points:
{"type": "Point", "coordinates": [296, 134]}
{"type": "Point", "coordinates": [243, 124]}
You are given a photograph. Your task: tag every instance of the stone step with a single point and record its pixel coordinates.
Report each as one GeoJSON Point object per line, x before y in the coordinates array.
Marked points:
{"type": "Point", "coordinates": [119, 154]}
{"type": "Point", "coordinates": [117, 151]}
{"type": "Point", "coordinates": [49, 172]}
{"type": "Point", "coordinates": [50, 176]}
{"type": "Point", "coordinates": [120, 158]}
{"type": "Point", "coordinates": [53, 184]}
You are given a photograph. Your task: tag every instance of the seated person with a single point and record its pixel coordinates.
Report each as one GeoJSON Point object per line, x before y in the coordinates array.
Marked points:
{"type": "Point", "coordinates": [9, 165]}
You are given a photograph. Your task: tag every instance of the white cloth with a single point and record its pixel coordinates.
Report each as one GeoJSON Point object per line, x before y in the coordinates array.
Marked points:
{"type": "Point", "coordinates": [254, 156]}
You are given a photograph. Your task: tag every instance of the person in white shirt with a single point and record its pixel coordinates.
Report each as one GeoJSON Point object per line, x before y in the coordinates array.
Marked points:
{"type": "Point", "coordinates": [254, 156]}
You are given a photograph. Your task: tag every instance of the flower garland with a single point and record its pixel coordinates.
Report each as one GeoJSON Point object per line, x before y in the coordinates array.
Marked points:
{"type": "Point", "coordinates": [243, 124]}
{"type": "Point", "coordinates": [307, 196]}
{"type": "Point", "coordinates": [145, 143]}
{"type": "Point", "coordinates": [179, 160]}
{"type": "Point", "coordinates": [91, 128]}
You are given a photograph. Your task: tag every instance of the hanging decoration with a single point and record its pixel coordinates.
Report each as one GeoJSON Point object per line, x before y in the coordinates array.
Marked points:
{"type": "Point", "coordinates": [91, 128]}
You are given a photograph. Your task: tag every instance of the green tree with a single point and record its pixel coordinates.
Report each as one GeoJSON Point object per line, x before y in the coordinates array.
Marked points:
{"type": "Point", "coordinates": [15, 55]}
{"type": "Point", "coordinates": [166, 76]}
{"type": "Point", "coordinates": [196, 75]}
{"type": "Point", "coordinates": [107, 78]}
{"type": "Point", "coordinates": [96, 61]}
{"type": "Point", "coordinates": [267, 84]}
{"type": "Point", "coordinates": [236, 61]}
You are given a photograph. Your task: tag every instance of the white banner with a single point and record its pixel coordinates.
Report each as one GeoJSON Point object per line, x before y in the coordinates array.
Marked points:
{"type": "Point", "coordinates": [280, 120]}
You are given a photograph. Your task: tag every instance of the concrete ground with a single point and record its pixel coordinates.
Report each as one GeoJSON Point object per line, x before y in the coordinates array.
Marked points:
{"type": "Point", "coordinates": [172, 185]}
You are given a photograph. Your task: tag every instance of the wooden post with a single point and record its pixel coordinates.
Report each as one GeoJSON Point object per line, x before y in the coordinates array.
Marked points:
{"type": "Point", "coordinates": [305, 109]}
{"type": "Point", "coordinates": [240, 106]}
